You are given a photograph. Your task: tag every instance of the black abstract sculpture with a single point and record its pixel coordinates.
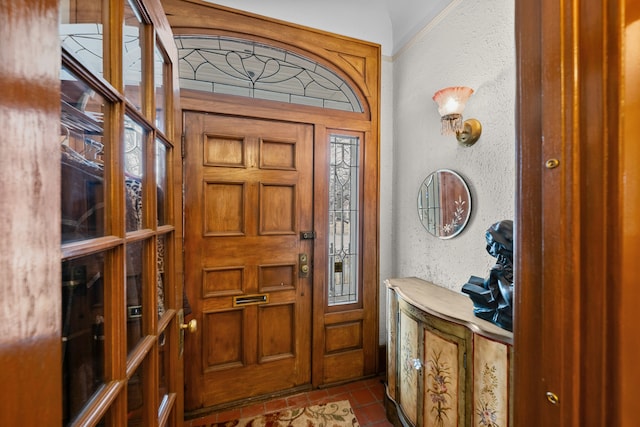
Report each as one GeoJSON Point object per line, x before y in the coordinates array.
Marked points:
{"type": "Point", "coordinates": [493, 298]}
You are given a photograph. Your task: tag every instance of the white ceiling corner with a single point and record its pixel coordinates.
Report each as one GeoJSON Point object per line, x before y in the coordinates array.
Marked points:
{"type": "Point", "coordinates": [390, 23]}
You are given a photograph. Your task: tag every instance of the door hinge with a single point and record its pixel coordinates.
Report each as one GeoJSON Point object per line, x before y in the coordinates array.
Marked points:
{"type": "Point", "coordinates": [182, 148]}
{"type": "Point", "coordinates": [464, 360]}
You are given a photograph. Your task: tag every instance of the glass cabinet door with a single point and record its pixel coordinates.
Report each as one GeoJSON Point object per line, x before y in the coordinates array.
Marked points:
{"type": "Point", "coordinates": [118, 281]}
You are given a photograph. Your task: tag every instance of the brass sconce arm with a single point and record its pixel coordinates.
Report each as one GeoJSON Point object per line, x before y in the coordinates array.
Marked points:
{"type": "Point", "coordinates": [471, 131]}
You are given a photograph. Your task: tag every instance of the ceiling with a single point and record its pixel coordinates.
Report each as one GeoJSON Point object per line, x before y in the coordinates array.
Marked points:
{"type": "Point", "coordinates": [408, 17]}
{"type": "Point", "coordinates": [390, 23]}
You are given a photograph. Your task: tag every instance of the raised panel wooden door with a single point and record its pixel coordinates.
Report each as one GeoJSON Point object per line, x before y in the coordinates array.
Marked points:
{"type": "Point", "coordinates": [248, 197]}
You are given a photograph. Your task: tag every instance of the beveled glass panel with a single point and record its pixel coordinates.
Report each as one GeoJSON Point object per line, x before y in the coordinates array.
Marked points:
{"type": "Point", "coordinates": [163, 369]}
{"type": "Point", "coordinates": [161, 182]}
{"type": "Point", "coordinates": [134, 150]}
{"type": "Point", "coordinates": [81, 144]}
{"type": "Point", "coordinates": [161, 263]}
{"type": "Point", "coordinates": [231, 66]}
{"type": "Point", "coordinates": [82, 332]}
{"type": "Point", "coordinates": [132, 54]}
{"type": "Point", "coordinates": [344, 247]}
{"type": "Point", "coordinates": [160, 67]}
{"type": "Point", "coordinates": [81, 32]}
{"type": "Point", "coordinates": [134, 293]}
{"type": "Point", "coordinates": [135, 399]}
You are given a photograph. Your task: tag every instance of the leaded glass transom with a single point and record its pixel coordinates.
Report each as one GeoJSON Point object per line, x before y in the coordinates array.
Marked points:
{"type": "Point", "coordinates": [246, 68]}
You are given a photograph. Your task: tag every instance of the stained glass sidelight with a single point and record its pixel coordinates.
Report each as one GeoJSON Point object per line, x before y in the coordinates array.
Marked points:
{"type": "Point", "coordinates": [344, 246]}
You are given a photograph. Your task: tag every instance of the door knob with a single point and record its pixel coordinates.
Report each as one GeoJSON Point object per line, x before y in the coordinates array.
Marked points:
{"type": "Point", "coordinates": [192, 326]}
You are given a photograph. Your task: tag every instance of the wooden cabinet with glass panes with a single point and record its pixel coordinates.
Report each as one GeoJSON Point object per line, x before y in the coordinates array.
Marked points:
{"type": "Point", "coordinates": [121, 293]}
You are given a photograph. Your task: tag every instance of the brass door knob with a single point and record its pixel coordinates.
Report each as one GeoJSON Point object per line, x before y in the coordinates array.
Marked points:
{"type": "Point", "coordinates": [192, 326]}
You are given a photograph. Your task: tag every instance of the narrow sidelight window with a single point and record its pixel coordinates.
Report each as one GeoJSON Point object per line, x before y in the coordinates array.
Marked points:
{"type": "Point", "coordinates": [344, 213]}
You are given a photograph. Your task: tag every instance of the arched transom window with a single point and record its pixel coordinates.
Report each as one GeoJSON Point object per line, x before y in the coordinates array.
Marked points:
{"type": "Point", "coordinates": [225, 65]}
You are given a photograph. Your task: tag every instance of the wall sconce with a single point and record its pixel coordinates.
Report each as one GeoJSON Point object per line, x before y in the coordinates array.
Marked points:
{"type": "Point", "coordinates": [451, 102]}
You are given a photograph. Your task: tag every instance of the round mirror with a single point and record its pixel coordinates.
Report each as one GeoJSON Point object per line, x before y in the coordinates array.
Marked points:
{"type": "Point", "coordinates": [444, 204]}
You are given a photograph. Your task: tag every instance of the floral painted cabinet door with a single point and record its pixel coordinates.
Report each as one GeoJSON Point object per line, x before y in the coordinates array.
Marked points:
{"type": "Point", "coordinates": [410, 366]}
{"type": "Point", "coordinates": [432, 374]}
{"type": "Point", "coordinates": [490, 382]}
{"type": "Point", "coordinates": [443, 404]}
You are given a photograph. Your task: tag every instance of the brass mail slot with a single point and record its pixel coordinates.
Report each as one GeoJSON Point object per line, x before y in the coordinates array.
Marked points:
{"type": "Point", "coordinates": [250, 299]}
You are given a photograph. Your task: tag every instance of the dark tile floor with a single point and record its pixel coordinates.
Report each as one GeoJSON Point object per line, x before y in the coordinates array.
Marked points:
{"type": "Point", "coordinates": [365, 396]}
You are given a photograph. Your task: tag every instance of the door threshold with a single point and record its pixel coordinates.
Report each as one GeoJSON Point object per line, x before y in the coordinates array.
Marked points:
{"type": "Point", "coordinates": [236, 404]}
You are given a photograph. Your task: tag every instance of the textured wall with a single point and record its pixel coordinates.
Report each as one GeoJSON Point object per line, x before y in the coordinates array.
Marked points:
{"type": "Point", "coordinates": [471, 45]}
{"type": "Point", "coordinates": [386, 190]}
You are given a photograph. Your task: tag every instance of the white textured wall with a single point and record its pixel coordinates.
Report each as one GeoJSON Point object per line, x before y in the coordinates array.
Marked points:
{"type": "Point", "coordinates": [386, 189]}
{"type": "Point", "coordinates": [471, 44]}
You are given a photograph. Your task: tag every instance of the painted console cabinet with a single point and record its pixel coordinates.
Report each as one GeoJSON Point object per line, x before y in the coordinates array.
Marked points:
{"type": "Point", "coordinates": [445, 366]}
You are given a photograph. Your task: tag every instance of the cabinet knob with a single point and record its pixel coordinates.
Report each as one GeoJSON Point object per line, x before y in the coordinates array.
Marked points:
{"type": "Point", "coordinates": [417, 363]}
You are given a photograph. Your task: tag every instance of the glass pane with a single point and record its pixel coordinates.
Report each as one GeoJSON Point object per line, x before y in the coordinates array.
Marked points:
{"type": "Point", "coordinates": [134, 143]}
{"type": "Point", "coordinates": [132, 55]}
{"type": "Point", "coordinates": [134, 293]}
{"type": "Point", "coordinates": [135, 399]}
{"type": "Point", "coordinates": [343, 219]}
{"type": "Point", "coordinates": [222, 64]}
{"type": "Point", "coordinates": [82, 332]}
{"type": "Point", "coordinates": [159, 79]}
{"type": "Point", "coordinates": [163, 367]}
{"type": "Point", "coordinates": [162, 244]}
{"type": "Point", "coordinates": [161, 181]}
{"type": "Point", "coordinates": [81, 31]}
{"type": "Point", "coordinates": [163, 383]}
{"type": "Point", "coordinates": [81, 145]}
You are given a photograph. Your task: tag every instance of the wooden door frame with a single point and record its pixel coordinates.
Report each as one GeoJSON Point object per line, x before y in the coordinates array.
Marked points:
{"type": "Point", "coordinates": [30, 330]}
{"type": "Point", "coordinates": [570, 280]}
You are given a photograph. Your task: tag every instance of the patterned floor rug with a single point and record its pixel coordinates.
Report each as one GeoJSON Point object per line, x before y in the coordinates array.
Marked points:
{"type": "Point", "coordinates": [333, 414]}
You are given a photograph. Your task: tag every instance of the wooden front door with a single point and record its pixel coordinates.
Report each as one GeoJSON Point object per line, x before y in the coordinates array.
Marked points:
{"type": "Point", "coordinates": [248, 197]}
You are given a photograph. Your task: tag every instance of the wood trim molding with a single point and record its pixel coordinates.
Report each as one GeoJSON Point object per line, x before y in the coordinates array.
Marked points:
{"type": "Point", "coordinates": [30, 353]}
{"type": "Point", "coordinates": [357, 60]}
{"type": "Point", "coordinates": [567, 231]}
